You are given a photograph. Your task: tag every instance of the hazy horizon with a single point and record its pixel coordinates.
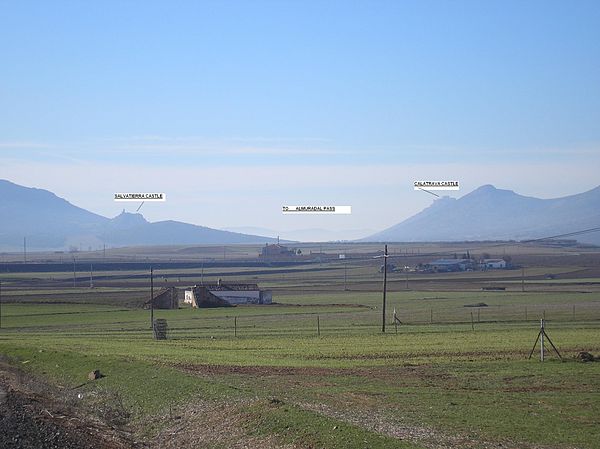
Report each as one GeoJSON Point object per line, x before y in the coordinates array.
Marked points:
{"type": "Point", "coordinates": [236, 109]}
{"type": "Point", "coordinates": [320, 234]}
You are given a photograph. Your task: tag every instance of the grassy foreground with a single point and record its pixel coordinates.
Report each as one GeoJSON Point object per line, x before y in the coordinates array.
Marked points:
{"type": "Point", "coordinates": [439, 383]}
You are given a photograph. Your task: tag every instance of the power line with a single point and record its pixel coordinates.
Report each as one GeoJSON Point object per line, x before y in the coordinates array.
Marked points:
{"type": "Point", "coordinates": [385, 257]}
{"type": "Point", "coordinates": [569, 234]}
{"type": "Point", "coordinates": [516, 242]}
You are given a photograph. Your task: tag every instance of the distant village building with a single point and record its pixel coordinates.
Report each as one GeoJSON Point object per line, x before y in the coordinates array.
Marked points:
{"type": "Point", "coordinates": [450, 265]}
{"type": "Point", "coordinates": [226, 295]}
{"type": "Point", "coordinates": [165, 299]}
{"type": "Point", "coordinates": [493, 264]}
{"type": "Point", "coordinates": [276, 251]}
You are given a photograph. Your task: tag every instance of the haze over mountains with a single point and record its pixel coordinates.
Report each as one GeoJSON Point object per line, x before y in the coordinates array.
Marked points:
{"type": "Point", "coordinates": [51, 223]}
{"type": "Point", "coordinates": [488, 213]}
{"type": "Point", "coordinates": [305, 235]}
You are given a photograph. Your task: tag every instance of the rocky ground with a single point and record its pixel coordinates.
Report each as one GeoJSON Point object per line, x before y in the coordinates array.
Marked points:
{"type": "Point", "coordinates": [33, 420]}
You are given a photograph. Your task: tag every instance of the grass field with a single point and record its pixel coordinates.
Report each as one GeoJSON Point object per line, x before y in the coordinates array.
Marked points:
{"type": "Point", "coordinates": [454, 374]}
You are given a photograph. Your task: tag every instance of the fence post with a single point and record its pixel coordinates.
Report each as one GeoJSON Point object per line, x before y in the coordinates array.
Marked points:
{"type": "Point", "coordinates": [542, 339]}
{"type": "Point", "coordinates": [318, 326]}
{"type": "Point", "coordinates": [235, 326]}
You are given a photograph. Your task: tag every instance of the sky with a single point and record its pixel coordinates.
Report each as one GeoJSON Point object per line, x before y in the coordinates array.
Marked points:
{"type": "Point", "coordinates": [236, 108]}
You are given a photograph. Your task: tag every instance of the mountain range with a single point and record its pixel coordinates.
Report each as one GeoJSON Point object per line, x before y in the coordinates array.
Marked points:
{"type": "Point", "coordinates": [50, 223]}
{"type": "Point", "coordinates": [488, 213]}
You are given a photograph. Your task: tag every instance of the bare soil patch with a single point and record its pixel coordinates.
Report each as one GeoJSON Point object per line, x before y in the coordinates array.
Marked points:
{"type": "Point", "coordinates": [33, 416]}
{"type": "Point", "coordinates": [258, 370]}
{"type": "Point", "coordinates": [206, 424]}
{"type": "Point", "coordinates": [421, 435]}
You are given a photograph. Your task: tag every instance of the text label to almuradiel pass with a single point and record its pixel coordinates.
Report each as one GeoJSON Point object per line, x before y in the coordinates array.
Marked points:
{"type": "Point", "coordinates": [315, 209]}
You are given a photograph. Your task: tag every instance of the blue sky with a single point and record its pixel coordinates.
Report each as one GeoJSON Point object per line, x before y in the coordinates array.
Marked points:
{"type": "Point", "coordinates": [247, 105]}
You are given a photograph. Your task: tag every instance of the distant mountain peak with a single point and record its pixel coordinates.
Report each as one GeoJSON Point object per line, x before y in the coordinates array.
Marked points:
{"type": "Point", "coordinates": [489, 189]}
{"type": "Point", "coordinates": [486, 188]}
{"type": "Point", "coordinates": [489, 193]}
{"type": "Point", "coordinates": [51, 222]}
{"type": "Point", "coordinates": [128, 220]}
{"type": "Point", "coordinates": [488, 213]}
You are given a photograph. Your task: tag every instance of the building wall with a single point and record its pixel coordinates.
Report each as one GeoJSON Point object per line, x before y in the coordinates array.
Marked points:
{"type": "Point", "coordinates": [189, 297]}
{"type": "Point", "coordinates": [238, 296]}
{"type": "Point", "coordinates": [200, 296]}
{"type": "Point", "coordinates": [499, 264]}
{"type": "Point", "coordinates": [166, 299]}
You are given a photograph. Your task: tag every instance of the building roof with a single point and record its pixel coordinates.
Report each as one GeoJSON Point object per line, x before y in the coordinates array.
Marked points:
{"type": "Point", "coordinates": [224, 287]}
{"type": "Point", "coordinates": [449, 261]}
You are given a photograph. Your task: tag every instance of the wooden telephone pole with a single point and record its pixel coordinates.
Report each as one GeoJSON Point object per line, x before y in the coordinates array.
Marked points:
{"type": "Point", "coordinates": [385, 258]}
{"type": "Point", "coordinates": [151, 298]}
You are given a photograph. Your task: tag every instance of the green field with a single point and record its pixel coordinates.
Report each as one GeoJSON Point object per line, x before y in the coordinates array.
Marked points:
{"type": "Point", "coordinates": [314, 370]}
{"type": "Point", "coordinates": [427, 383]}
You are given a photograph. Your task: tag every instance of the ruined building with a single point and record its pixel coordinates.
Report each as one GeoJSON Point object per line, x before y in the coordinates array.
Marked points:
{"type": "Point", "coordinates": [167, 298]}
{"type": "Point", "coordinates": [226, 295]}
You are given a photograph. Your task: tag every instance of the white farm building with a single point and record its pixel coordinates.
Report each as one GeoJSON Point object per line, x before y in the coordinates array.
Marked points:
{"type": "Point", "coordinates": [223, 295]}
{"type": "Point", "coordinates": [493, 264]}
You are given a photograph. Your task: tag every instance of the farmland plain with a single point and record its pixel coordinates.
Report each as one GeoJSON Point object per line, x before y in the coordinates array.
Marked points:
{"type": "Point", "coordinates": [315, 370]}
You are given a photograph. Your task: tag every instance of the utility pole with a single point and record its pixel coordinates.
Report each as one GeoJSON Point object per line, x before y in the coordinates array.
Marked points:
{"type": "Point", "coordinates": [24, 249]}
{"type": "Point", "coordinates": [104, 251]}
{"type": "Point", "coordinates": [345, 275]}
{"type": "Point", "coordinates": [202, 274]}
{"type": "Point", "coordinates": [91, 277]}
{"type": "Point", "coordinates": [74, 275]}
{"type": "Point", "coordinates": [385, 257]}
{"type": "Point", "coordinates": [522, 279]}
{"type": "Point", "coordinates": [151, 298]}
